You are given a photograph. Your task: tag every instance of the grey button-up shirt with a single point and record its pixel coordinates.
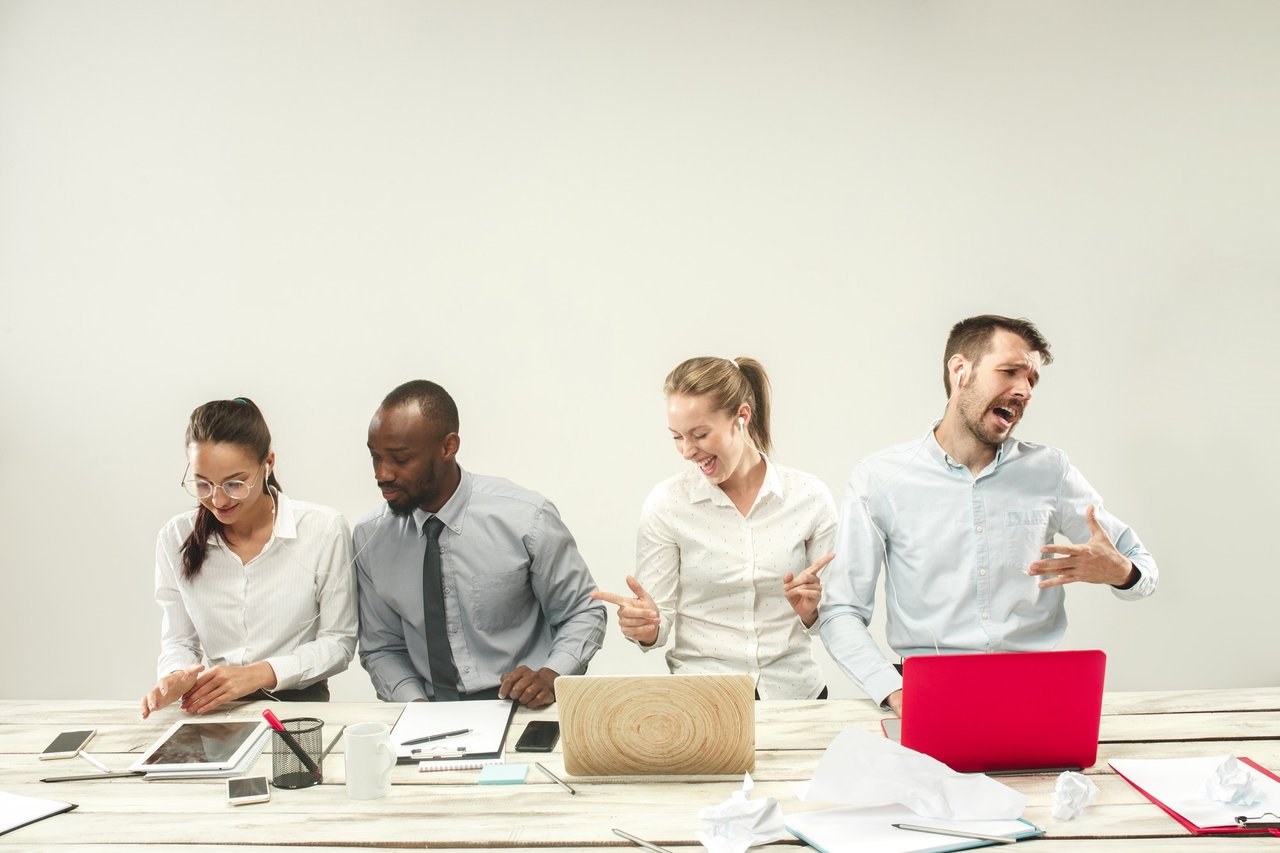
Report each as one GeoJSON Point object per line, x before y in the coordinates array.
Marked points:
{"type": "Point", "coordinates": [516, 591]}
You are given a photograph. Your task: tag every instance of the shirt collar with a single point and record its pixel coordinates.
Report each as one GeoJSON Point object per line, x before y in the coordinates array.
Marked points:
{"type": "Point", "coordinates": [286, 526]}
{"type": "Point", "coordinates": [936, 451]}
{"type": "Point", "coordinates": [454, 510]}
{"type": "Point", "coordinates": [703, 490]}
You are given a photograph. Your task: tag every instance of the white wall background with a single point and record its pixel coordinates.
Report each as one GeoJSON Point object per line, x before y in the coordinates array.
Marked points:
{"type": "Point", "coordinates": [546, 206]}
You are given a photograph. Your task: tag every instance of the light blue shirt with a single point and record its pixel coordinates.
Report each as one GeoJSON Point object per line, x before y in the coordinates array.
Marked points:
{"type": "Point", "coordinates": [516, 591]}
{"type": "Point", "coordinates": [957, 549]}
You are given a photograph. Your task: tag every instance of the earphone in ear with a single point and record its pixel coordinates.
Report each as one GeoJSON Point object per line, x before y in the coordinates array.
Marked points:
{"type": "Point", "coordinates": [960, 377]}
{"type": "Point", "coordinates": [742, 422]}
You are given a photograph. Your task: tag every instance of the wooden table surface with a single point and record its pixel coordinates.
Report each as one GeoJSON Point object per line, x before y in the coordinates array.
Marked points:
{"type": "Point", "coordinates": [447, 810]}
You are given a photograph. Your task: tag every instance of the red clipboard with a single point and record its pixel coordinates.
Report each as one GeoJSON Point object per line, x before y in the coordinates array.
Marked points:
{"type": "Point", "coordinates": [1230, 829]}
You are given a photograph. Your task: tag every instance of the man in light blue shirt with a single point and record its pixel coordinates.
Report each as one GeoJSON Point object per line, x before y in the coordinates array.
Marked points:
{"type": "Point", "coordinates": [470, 587]}
{"type": "Point", "coordinates": [963, 519]}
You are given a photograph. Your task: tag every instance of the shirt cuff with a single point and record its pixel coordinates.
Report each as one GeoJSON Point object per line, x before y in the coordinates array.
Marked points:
{"type": "Point", "coordinates": [880, 685]}
{"type": "Point", "coordinates": [409, 690]}
{"type": "Point", "coordinates": [563, 663]}
{"type": "Point", "coordinates": [288, 672]}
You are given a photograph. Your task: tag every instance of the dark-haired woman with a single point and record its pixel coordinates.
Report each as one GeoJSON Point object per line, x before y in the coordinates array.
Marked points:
{"type": "Point", "coordinates": [721, 544]}
{"type": "Point", "coordinates": [258, 585]}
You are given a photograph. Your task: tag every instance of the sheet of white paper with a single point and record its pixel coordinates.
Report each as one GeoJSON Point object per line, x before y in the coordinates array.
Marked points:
{"type": "Point", "coordinates": [861, 769]}
{"type": "Point", "coordinates": [487, 719]}
{"type": "Point", "coordinates": [1179, 784]}
{"type": "Point", "coordinates": [870, 830]}
{"type": "Point", "coordinates": [17, 810]}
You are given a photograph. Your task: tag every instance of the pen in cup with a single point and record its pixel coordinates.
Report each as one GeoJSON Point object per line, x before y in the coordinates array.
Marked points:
{"type": "Point", "coordinates": [291, 743]}
{"type": "Point", "coordinates": [440, 736]}
{"type": "Point", "coordinates": [554, 778]}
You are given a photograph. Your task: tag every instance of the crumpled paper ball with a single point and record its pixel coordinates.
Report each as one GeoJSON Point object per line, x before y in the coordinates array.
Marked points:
{"type": "Point", "coordinates": [1072, 794]}
{"type": "Point", "coordinates": [739, 822]}
{"type": "Point", "coordinates": [1233, 784]}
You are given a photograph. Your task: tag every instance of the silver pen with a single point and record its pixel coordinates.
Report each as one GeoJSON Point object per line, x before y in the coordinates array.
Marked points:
{"type": "Point", "coordinates": [958, 833]}
{"type": "Point", "coordinates": [645, 844]}
{"type": "Point", "coordinates": [554, 778]}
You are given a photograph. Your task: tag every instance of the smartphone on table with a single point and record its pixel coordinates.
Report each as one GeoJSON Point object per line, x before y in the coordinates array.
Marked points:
{"type": "Point", "coordinates": [248, 789]}
{"type": "Point", "coordinates": [539, 736]}
{"type": "Point", "coordinates": [68, 744]}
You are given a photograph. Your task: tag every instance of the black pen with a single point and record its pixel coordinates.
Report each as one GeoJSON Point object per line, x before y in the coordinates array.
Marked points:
{"type": "Point", "coordinates": [440, 736]}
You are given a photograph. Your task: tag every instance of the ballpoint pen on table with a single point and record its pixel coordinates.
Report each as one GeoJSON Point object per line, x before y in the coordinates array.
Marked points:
{"type": "Point", "coordinates": [440, 736]}
{"type": "Point", "coordinates": [958, 833]}
{"type": "Point", "coordinates": [328, 749]}
{"type": "Point", "coordinates": [554, 778]}
{"type": "Point", "coordinates": [645, 844]}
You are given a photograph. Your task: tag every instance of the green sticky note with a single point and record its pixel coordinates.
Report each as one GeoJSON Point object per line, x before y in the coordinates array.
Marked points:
{"type": "Point", "coordinates": [503, 774]}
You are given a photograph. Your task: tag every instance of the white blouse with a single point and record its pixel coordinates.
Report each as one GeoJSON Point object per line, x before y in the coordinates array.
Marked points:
{"type": "Point", "coordinates": [716, 576]}
{"type": "Point", "coordinates": [293, 605]}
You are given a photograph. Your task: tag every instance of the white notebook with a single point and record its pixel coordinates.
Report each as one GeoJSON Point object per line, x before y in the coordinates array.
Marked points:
{"type": "Point", "coordinates": [856, 828]}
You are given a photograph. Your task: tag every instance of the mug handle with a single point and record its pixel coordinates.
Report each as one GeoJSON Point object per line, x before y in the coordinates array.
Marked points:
{"type": "Point", "coordinates": [389, 757]}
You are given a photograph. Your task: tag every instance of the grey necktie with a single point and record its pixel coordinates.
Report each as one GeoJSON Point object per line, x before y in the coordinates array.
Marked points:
{"type": "Point", "coordinates": [444, 675]}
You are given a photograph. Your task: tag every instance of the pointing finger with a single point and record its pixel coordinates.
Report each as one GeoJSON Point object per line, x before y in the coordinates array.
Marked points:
{"type": "Point", "coordinates": [818, 565]}
{"type": "Point", "coordinates": [612, 598]}
{"type": "Point", "coordinates": [637, 588]}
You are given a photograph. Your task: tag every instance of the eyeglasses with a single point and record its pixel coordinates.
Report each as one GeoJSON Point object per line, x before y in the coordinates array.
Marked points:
{"type": "Point", "coordinates": [236, 490]}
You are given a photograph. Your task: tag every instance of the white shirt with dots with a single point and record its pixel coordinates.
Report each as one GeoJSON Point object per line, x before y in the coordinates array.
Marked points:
{"type": "Point", "coordinates": [716, 576]}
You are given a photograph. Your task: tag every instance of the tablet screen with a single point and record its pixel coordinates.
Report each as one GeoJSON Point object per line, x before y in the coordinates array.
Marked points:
{"type": "Point", "coordinates": [202, 743]}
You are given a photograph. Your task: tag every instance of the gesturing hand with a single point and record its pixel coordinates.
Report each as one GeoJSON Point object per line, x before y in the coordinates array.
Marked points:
{"type": "Point", "coordinates": [804, 591]}
{"type": "Point", "coordinates": [637, 617]}
{"type": "Point", "coordinates": [226, 683]}
{"type": "Point", "coordinates": [1096, 561]}
{"type": "Point", "coordinates": [170, 688]}
{"type": "Point", "coordinates": [534, 689]}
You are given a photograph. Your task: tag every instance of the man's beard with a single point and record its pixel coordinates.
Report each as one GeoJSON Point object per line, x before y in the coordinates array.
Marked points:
{"type": "Point", "coordinates": [974, 415]}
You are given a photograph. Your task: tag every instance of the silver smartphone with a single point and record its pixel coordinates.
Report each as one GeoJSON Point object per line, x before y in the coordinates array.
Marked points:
{"type": "Point", "coordinates": [68, 744]}
{"type": "Point", "coordinates": [248, 789]}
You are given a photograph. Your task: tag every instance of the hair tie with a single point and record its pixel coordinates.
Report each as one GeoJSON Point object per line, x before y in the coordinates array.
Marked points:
{"type": "Point", "coordinates": [241, 400]}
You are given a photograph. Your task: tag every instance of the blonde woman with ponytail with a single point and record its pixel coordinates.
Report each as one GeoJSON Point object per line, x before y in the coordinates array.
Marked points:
{"type": "Point", "coordinates": [722, 544]}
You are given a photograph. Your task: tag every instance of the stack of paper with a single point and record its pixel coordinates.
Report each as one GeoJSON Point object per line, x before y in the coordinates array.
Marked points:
{"type": "Point", "coordinates": [862, 829]}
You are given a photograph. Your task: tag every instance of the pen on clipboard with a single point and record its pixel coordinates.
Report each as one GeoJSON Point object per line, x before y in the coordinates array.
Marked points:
{"type": "Point", "coordinates": [958, 833]}
{"type": "Point", "coordinates": [645, 844]}
{"type": "Point", "coordinates": [554, 778]}
{"type": "Point", "coordinates": [440, 736]}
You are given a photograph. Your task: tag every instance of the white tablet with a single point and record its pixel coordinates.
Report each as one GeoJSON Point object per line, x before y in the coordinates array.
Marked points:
{"type": "Point", "coordinates": [199, 745]}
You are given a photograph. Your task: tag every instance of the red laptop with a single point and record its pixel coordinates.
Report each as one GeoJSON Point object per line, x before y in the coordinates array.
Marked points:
{"type": "Point", "coordinates": [1004, 712]}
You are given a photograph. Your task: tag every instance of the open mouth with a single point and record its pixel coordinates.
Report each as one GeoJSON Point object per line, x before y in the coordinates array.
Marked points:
{"type": "Point", "coordinates": [1007, 415]}
{"type": "Point", "coordinates": [707, 466]}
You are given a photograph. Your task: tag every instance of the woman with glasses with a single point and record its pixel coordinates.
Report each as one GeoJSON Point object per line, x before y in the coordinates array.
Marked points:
{"type": "Point", "coordinates": [258, 585]}
{"type": "Point", "coordinates": [722, 544]}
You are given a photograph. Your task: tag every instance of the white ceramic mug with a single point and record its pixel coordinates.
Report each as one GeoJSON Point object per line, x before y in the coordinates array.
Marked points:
{"type": "Point", "coordinates": [369, 760]}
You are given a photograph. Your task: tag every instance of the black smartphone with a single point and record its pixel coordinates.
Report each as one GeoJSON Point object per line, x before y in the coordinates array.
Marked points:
{"type": "Point", "coordinates": [539, 736]}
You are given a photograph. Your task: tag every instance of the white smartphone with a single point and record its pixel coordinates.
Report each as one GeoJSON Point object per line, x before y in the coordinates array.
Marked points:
{"type": "Point", "coordinates": [248, 789]}
{"type": "Point", "coordinates": [68, 744]}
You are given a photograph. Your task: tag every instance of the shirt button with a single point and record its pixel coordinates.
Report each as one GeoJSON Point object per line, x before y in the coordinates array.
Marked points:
{"type": "Point", "coordinates": [984, 616]}
{"type": "Point", "coordinates": [446, 590]}
{"type": "Point", "coordinates": [466, 669]}
{"type": "Point", "coordinates": [453, 629]}
{"type": "Point", "coordinates": [978, 528]}
{"type": "Point", "coordinates": [982, 573]}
